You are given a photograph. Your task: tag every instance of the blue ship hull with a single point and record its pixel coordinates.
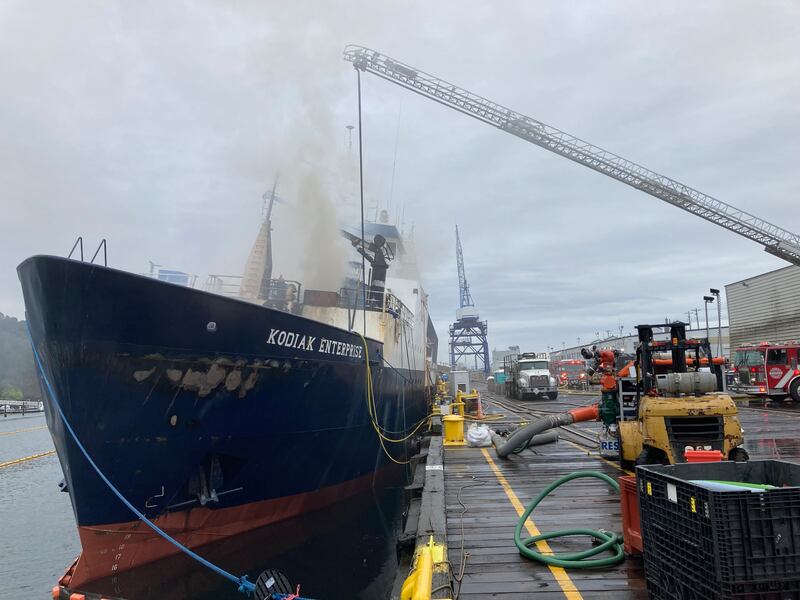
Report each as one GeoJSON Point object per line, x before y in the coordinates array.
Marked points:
{"type": "Point", "coordinates": [211, 415]}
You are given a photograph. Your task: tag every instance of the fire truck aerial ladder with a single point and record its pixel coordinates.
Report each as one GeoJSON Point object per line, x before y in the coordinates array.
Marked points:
{"type": "Point", "coordinates": [783, 244]}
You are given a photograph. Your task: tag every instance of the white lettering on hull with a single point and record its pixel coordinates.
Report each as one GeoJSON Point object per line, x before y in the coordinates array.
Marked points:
{"type": "Point", "coordinates": [291, 339]}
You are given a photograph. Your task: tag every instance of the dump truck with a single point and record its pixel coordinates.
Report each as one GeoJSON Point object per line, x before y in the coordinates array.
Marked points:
{"type": "Point", "coordinates": [528, 376]}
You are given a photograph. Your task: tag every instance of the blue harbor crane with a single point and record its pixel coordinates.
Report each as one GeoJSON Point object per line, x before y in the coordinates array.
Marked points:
{"type": "Point", "coordinates": [465, 298]}
{"type": "Point", "coordinates": [468, 333]}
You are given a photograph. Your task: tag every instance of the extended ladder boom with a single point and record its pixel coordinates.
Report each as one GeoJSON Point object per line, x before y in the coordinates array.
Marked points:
{"type": "Point", "coordinates": [775, 240]}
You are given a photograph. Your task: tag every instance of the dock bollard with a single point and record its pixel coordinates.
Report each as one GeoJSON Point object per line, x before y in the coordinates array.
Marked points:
{"type": "Point", "coordinates": [457, 407]}
{"type": "Point", "coordinates": [453, 430]}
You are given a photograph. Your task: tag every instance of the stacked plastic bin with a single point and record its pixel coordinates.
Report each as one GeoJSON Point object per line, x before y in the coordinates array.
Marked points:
{"type": "Point", "coordinates": [711, 530]}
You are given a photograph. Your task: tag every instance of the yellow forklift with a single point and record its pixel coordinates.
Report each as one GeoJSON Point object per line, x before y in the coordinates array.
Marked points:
{"type": "Point", "coordinates": [671, 400]}
{"type": "Point", "coordinates": [654, 406]}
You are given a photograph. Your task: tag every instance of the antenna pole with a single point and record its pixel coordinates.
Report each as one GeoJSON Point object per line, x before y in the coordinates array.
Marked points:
{"type": "Point", "coordinates": [361, 193]}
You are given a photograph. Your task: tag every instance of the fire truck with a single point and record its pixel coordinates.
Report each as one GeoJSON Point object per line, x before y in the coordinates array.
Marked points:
{"type": "Point", "coordinates": [570, 373]}
{"type": "Point", "coordinates": [768, 370]}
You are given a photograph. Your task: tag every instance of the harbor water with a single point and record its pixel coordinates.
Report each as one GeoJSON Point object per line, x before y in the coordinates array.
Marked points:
{"type": "Point", "coordinates": [346, 551]}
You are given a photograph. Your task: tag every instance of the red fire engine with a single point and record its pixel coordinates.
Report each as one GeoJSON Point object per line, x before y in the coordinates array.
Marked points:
{"type": "Point", "coordinates": [570, 373]}
{"type": "Point", "coordinates": [768, 370]}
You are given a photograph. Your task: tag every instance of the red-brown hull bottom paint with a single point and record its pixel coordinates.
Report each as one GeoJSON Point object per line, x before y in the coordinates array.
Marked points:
{"type": "Point", "coordinates": [115, 548]}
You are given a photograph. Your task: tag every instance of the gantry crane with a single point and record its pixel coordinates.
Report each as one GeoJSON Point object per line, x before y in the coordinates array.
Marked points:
{"type": "Point", "coordinates": [468, 333]}
{"type": "Point", "coordinates": [465, 298]}
{"type": "Point", "coordinates": [777, 241]}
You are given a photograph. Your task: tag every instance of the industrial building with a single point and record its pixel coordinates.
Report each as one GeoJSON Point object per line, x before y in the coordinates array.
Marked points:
{"type": "Point", "coordinates": [499, 355]}
{"type": "Point", "coordinates": [765, 307]}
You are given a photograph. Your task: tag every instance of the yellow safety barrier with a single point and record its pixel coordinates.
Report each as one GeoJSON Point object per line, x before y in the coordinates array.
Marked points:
{"type": "Point", "coordinates": [418, 584]}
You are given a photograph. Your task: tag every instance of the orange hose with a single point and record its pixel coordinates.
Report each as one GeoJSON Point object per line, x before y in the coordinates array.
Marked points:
{"type": "Point", "coordinates": [585, 413]}
{"type": "Point", "coordinates": [667, 362]}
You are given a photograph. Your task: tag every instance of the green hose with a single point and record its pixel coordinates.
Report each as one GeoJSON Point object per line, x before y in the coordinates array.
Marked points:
{"type": "Point", "coordinates": [611, 542]}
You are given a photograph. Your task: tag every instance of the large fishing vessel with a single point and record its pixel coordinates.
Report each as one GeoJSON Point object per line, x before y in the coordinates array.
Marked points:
{"type": "Point", "coordinates": [215, 415]}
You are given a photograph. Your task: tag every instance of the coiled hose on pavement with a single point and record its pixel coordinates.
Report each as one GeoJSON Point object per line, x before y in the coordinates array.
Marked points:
{"type": "Point", "coordinates": [609, 542]}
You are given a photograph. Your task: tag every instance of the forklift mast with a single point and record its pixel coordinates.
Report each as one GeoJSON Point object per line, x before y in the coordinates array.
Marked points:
{"type": "Point", "coordinates": [678, 346]}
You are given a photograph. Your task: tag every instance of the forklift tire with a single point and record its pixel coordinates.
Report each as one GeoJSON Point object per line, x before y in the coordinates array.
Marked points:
{"type": "Point", "coordinates": [738, 454]}
{"type": "Point", "coordinates": [794, 390]}
{"type": "Point", "coordinates": [652, 456]}
{"type": "Point", "coordinates": [552, 395]}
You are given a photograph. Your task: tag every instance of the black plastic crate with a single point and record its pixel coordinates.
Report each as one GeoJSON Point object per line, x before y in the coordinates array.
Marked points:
{"type": "Point", "coordinates": [664, 583]}
{"type": "Point", "coordinates": [733, 543]}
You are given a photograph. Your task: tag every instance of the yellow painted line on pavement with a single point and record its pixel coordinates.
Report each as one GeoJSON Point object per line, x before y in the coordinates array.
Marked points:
{"type": "Point", "coordinates": [26, 458]}
{"type": "Point", "coordinates": [23, 430]}
{"type": "Point", "coordinates": [563, 580]}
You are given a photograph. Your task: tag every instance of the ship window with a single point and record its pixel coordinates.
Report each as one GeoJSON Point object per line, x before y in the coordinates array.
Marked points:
{"type": "Point", "coordinates": [777, 356]}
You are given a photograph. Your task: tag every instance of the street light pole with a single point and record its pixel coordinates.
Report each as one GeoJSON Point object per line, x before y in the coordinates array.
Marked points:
{"type": "Point", "coordinates": [719, 319]}
{"type": "Point", "coordinates": [707, 300]}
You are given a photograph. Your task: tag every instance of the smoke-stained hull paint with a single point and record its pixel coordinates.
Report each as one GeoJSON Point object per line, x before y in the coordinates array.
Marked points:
{"type": "Point", "coordinates": [175, 392]}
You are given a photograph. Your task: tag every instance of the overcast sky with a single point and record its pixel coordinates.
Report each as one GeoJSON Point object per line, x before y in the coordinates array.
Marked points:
{"type": "Point", "coordinates": [159, 125]}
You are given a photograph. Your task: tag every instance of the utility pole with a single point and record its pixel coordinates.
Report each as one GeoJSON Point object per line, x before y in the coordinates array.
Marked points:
{"type": "Point", "coordinates": [697, 317]}
{"type": "Point", "coordinates": [708, 300]}
{"type": "Point", "coordinates": [689, 314]}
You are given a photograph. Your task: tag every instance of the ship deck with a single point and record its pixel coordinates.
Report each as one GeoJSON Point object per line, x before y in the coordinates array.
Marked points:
{"type": "Point", "coordinates": [485, 495]}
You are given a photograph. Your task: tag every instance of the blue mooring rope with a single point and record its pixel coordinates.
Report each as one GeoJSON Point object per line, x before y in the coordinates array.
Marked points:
{"type": "Point", "coordinates": [244, 586]}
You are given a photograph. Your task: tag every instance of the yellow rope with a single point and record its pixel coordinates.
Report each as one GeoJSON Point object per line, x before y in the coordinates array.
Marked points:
{"type": "Point", "coordinates": [373, 411]}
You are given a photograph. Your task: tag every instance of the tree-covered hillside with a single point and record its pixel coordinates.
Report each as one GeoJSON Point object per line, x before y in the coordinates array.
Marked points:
{"type": "Point", "coordinates": [17, 371]}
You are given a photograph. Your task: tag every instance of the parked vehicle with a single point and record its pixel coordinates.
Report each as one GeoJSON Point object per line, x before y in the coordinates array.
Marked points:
{"type": "Point", "coordinates": [528, 376]}
{"type": "Point", "coordinates": [768, 370]}
{"type": "Point", "coordinates": [570, 374]}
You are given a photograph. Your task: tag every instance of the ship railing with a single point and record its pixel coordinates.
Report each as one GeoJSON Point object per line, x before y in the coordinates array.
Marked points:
{"type": "Point", "coordinates": [78, 245]}
{"type": "Point", "coordinates": [224, 285]}
{"type": "Point", "coordinates": [395, 306]}
{"type": "Point", "coordinates": [385, 302]}
{"type": "Point", "coordinates": [176, 277]}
